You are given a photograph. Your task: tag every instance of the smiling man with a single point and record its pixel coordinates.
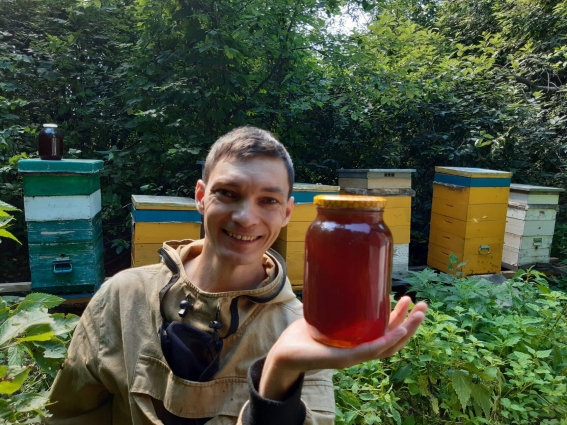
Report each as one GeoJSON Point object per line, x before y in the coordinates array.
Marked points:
{"type": "Point", "coordinates": [213, 334]}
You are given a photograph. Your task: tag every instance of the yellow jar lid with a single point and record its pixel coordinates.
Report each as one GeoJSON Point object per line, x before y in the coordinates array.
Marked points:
{"type": "Point", "coordinates": [350, 201]}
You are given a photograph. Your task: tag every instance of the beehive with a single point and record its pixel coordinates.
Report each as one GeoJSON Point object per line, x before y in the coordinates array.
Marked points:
{"type": "Point", "coordinates": [395, 186]}
{"type": "Point", "coordinates": [530, 224]}
{"type": "Point", "coordinates": [156, 219]}
{"type": "Point", "coordinates": [468, 218]}
{"type": "Point", "coordinates": [291, 240]}
{"type": "Point", "coordinates": [62, 203]}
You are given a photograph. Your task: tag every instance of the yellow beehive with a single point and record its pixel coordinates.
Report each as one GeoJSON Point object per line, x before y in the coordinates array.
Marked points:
{"type": "Point", "coordinates": [468, 219]}
{"type": "Point", "coordinates": [291, 240]}
{"type": "Point", "coordinates": [156, 219]}
{"type": "Point", "coordinates": [395, 186]}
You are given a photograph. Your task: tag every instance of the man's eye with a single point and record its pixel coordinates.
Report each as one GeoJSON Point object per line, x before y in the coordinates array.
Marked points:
{"type": "Point", "coordinates": [270, 201]}
{"type": "Point", "coordinates": [223, 192]}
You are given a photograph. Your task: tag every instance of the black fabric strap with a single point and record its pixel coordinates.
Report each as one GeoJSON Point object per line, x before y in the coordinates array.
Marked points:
{"type": "Point", "coordinates": [172, 266]}
{"type": "Point", "coordinates": [262, 411]}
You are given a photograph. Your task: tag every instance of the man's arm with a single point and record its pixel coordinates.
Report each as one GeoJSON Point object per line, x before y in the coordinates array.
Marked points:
{"type": "Point", "coordinates": [77, 394]}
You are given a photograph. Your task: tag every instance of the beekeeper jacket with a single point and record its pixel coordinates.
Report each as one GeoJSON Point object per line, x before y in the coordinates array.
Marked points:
{"type": "Point", "coordinates": [116, 372]}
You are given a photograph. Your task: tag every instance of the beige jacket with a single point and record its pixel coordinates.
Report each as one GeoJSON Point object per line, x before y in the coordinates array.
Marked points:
{"type": "Point", "coordinates": [116, 366]}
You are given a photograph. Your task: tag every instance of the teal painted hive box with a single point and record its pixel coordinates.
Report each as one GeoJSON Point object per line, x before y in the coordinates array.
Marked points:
{"type": "Point", "coordinates": [62, 204]}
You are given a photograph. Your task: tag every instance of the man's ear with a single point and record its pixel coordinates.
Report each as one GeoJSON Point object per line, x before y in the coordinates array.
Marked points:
{"type": "Point", "coordinates": [200, 189]}
{"type": "Point", "coordinates": [288, 210]}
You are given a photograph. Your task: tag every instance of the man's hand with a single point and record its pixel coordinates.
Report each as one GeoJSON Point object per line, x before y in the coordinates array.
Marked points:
{"type": "Point", "coordinates": [295, 352]}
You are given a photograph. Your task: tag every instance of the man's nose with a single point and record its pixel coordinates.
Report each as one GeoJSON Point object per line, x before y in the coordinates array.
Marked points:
{"type": "Point", "coordinates": [245, 214]}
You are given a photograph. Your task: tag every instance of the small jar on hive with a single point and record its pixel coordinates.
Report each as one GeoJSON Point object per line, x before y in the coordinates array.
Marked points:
{"type": "Point", "coordinates": [348, 270]}
{"type": "Point", "coordinates": [50, 142]}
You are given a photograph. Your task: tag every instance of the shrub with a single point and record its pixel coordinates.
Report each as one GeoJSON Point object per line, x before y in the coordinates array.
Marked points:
{"type": "Point", "coordinates": [33, 344]}
{"type": "Point", "coordinates": [486, 354]}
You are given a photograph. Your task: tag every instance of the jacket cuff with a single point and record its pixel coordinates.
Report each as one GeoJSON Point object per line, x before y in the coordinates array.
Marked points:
{"type": "Point", "coordinates": [260, 410]}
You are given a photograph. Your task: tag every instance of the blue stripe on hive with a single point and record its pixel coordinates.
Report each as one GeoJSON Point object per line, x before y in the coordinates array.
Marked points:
{"type": "Point", "coordinates": [471, 182]}
{"type": "Point", "coordinates": [165, 216]}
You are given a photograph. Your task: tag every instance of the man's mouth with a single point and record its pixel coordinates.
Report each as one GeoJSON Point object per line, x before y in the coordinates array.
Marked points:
{"type": "Point", "coordinates": [242, 237]}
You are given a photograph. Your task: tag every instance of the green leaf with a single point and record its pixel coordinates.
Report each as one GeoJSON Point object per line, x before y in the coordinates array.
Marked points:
{"type": "Point", "coordinates": [12, 378]}
{"type": "Point", "coordinates": [7, 413]}
{"type": "Point", "coordinates": [462, 386]}
{"type": "Point", "coordinates": [46, 300]}
{"type": "Point", "coordinates": [64, 324]}
{"type": "Point", "coordinates": [5, 234]}
{"type": "Point", "coordinates": [52, 349]}
{"type": "Point", "coordinates": [20, 322]}
{"type": "Point", "coordinates": [28, 402]}
{"type": "Point", "coordinates": [543, 354]}
{"type": "Point", "coordinates": [7, 207]}
{"type": "Point", "coordinates": [41, 337]}
{"type": "Point", "coordinates": [481, 396]}
{"type": "Point", "coordinates": [368, 396]}
{"type": "Point", "coordinates": [15, 355]}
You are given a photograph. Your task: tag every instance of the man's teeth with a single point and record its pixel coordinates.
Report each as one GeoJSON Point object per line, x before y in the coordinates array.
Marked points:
{"type": "Point", "coordinates": [241, 237]}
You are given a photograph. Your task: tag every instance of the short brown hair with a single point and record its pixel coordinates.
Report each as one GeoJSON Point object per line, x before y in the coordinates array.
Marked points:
{"type": "Point", "coordinates": [244, 143]}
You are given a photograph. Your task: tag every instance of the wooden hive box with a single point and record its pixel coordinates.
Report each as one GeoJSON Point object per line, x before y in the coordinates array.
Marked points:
{"type": "Point", "coordinates": [530, 224]}
{"type": "Point", "coordinates": [62, 204]}
{"type": "Point", "coordinates": [395, 186]}
{"type": "Point", "coordinates": [468, 218]}
{"type": "Point", "coordinates": [156, 219]}
{"type": "Point", "coordinates": [291, 240]}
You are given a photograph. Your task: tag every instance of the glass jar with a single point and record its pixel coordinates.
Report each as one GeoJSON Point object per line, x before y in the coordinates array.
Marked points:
{"type": "Point", "coordinates": [348, 270]}
{"type": "Point", "coordinates": [50, 142]}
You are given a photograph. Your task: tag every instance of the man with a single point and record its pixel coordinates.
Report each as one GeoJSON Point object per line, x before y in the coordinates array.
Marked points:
{"type": "Point", "coordinates": [213, 334]}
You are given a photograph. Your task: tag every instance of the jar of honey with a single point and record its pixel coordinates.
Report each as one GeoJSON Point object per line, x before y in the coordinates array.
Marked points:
{"type": "Point", "coordinates": [348, 270]}
{"type": "Point", "coordinates": [50, 142]}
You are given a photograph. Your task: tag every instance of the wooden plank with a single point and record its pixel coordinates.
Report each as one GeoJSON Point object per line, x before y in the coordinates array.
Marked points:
{"type": "Point", "coordinates": [397, 216]}
{"type": "Point", "coordinates": [375, 183]}
{"type": "Point", "coordinates": [315, 187]}
{"type": "Point", "coordinates": [400, 234]}
{"type": "Point", "coordinates": [467, 230]}
{"type": "Point", "coordinates": [304, 212]}
{"type": "Point", "coordinates": [459, 244]}
{"type": "Point", "coordinates": [60, 185]}
{"type": "Point", "coordinates": [541, 214]}
{"type": "Point", "coordinates": [82, 279]}
{"type": "Point", "coordinates": [524, 242]}
{"type": "Point", "coordinates": [63, 166]}
{"type": "Point", "coordinates": [528, 188]}
{"type": "Point", "coordinates": [530, 228]}
{"type": "Point", "coordinates": [54, 208]}
{"type": "Point", "coordinates": [438, 257]}
{"type": "Point", "coordinates": [378, 192]}
{"type": "Point", "coordinates": [165, 216]}
{"type": "Point", "coordinates": [157, 233]}
{"type": "Point", "coordinates": [152, 202]}
{"type": "Point", "coordinates": [525, 257]}
{"type": "Point", "coordinates": [6, 288]}
{"type": "Point", "coordinates": [473, 172]}
{"type": "Point", "coordinates": [471, 195]}
{"type": "Point", "coordinates": [284, 247]}
{"type": "Point", "coordinates": [469, 212]}
{"type": "Point", "coordinates": [295, 231]}
{"type": "Point", "coordinates": [549, 198]}
{"type": "Point", "coordinates": [145, 254]}
{"type": "Point", "coordinates": [64, 231]}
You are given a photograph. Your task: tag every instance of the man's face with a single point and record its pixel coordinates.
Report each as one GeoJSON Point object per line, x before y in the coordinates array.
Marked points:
{"type": "Point", "coordinates": [244, 204]}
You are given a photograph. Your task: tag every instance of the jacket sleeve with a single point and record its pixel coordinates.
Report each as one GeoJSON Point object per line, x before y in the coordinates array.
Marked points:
{"type": "Point", "coordinates": [78, 396]}
{"type": "Point", "coordinates": [291, 411]}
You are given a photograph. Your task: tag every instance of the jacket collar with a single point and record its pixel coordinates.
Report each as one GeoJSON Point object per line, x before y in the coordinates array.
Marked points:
{"type": "Point", "coordinates": [206, 307]}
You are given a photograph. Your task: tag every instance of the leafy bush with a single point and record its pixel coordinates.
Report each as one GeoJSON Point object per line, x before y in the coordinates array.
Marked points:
{"type": "Point", "coordinates": [487, 354]}
{"type": "Point", "coordinates": [33, 344]}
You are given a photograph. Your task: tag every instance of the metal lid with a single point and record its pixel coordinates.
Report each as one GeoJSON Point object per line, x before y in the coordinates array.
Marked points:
{"type": "Point", "coordinates": [50, 125]}
{"type": "Point", "coordinates": [350, 201]}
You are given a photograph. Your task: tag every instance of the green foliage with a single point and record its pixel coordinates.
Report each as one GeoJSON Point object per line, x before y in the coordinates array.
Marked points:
{"type": "Point", "coordinates": [487, 354]}
{"type": "Point", "coordinates": [5, 219]}
{"type": "Point", "coordinates": [33, 344]}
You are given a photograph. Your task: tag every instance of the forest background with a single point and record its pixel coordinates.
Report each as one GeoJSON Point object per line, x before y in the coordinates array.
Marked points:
{"type": "Point", "coordinates": [148, 86]}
